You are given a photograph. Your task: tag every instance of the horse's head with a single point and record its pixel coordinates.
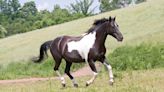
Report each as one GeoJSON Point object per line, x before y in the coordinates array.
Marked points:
{"type": "Point", "coordinates": [113, 29]}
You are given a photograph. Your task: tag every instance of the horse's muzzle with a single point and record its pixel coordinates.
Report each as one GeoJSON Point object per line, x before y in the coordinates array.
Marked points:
{"type": "Point", "coordinates": [120, 39]}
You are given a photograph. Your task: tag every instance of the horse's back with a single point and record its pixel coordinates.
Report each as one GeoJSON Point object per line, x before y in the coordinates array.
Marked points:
{"type": "Point", "coordinates": [54, 47]}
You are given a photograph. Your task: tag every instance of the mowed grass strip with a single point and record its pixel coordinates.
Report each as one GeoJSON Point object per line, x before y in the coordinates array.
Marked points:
{"type": "Point", "coordinates": [128, 81]}
{"type": "Point", "coordinates": [143, 22]}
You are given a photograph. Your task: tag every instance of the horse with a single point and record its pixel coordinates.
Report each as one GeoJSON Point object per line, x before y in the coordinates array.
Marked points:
{"type": "Point", "coordinates": [88, 48]}
{"type": "Point", "coordinates": [43, 51]}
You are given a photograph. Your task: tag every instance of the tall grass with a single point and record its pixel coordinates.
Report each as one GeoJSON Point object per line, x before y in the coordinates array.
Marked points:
{"type": "Point", "coordinates": [144, 56]}
{"type": "Point", "coordinates": [30, 69]}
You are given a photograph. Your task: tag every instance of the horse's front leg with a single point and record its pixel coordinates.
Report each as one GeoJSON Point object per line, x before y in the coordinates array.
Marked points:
{"type": "Point", "coordinates": [109, 67]}
{"type": "Point", "coordinates": [93, 68]}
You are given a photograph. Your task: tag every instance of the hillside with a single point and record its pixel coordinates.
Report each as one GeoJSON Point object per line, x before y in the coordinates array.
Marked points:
{"type": "Point", "coordinates": [140, 23]}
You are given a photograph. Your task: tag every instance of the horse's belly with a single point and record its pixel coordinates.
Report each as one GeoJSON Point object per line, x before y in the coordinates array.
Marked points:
{"type": "Point", "coordinates": [73, 56]}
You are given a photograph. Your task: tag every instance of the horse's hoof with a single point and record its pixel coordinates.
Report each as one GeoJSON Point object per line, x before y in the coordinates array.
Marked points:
{"type": "Point", "coordinates": [76, 85]}
{"type": "Point", "coordinates": [64, 85]}
{"type": "Point", "coordinates": [111, 83]}
{"type": "Point", "coordinates": [87, 84]}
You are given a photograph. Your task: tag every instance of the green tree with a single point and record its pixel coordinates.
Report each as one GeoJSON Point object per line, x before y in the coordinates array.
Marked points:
{"type": "Point", "coordinates": [5, 7]}
{"type": "Point", "coordinates": [60, 15]}
{"type": "Point", "coordinates": [15, 5]}
{"type": "Point", "coordinates": [108, 5]}
{"type": "Point", "coordinates": [3, 31]}
{"type": "Point", "coordinates": [28, 9]}
{"type": "Point", "coordinates": [18, 19]}
{"type": "Point", "coordinates": [139, 1]}
{"type": "Point", "coordinates": [83, 7]}
{"type": "Point", "coordinates": [105, 5]}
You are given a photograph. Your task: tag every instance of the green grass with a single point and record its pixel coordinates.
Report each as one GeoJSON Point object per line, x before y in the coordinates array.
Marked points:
{"type": "Point", "coordinates": [131, 81]}
{"type": "Point", "coordinates": [144, 56]}
{"type": "Point", "coordinates": [18, 70]}
{"type": "Point", "coordinates": [143, 22]}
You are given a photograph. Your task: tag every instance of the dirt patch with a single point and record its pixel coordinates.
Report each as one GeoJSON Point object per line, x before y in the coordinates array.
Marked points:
{"type": "Point", "coordinates": [81, 72]}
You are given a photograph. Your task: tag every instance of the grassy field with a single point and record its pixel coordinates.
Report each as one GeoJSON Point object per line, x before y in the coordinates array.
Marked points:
{"type": "Point", "coordinates": [129, 81]}
{"type": "Point", "coordinates": [143, 22]}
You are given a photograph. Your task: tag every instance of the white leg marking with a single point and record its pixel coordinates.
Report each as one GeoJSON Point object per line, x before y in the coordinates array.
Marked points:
{"type": "Point", "coordinates": [93, 78]}
{"type": "Point", "coordinates": [110, 71]}
{"type": "Point", "coordinates": [61, 78]}
{"type": "Point", "coordinates": [74, 81]}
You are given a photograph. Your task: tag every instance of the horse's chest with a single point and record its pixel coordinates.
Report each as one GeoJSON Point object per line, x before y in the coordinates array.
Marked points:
{"type": "Point", "coordinates": [97, 53]}
{"type": "Point", "coordinates": [82, 46]}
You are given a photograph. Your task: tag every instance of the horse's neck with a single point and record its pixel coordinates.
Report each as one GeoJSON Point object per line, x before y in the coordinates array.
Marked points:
{"type": "Point", "coordinates": [101, 35]}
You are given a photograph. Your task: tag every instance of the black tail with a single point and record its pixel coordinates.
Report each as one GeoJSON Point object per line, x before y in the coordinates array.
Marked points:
{"type": "Point", "coordinates": [43, 51]}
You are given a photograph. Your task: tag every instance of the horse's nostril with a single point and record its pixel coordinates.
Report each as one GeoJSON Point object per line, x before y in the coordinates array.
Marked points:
{"type": "Point", "coordinates": [122, 38]}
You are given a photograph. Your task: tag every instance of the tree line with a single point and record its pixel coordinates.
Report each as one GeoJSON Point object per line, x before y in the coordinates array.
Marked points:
{"type": "Point", "coordinates": [15, 18]}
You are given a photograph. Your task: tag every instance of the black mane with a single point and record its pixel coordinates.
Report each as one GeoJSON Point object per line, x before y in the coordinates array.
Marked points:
{"type": "Point", "coordinates": [96, 22]}
{"type": "Point", "coordinates": [100, 21]}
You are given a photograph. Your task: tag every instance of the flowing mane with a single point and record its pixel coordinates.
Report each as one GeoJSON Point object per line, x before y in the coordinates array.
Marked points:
{"type": "Point", "coordinates": [95, 23]}
{"type": "Point", "coordinates": [100, 21]}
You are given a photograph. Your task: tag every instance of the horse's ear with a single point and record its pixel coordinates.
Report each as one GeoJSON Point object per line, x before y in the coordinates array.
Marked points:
{"type": "Point", "coordinates": [114, 18]}
{"type": "Point", "coordinates": [110, 18]}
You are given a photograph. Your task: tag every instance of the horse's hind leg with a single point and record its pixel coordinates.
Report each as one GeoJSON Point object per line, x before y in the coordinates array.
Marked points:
{"type": "Point", "coordinates": [56, 69]}
{"type": "Point", "coordinates": [58, 59]}
{"type": "Point", "coordinates": [55, 52]}
{"type": "Point", "coordinates": [67, 71]}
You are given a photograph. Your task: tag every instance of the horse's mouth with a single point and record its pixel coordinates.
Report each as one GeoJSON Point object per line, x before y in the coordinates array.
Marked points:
{"type": "Point", "coordinates": [119, 38]}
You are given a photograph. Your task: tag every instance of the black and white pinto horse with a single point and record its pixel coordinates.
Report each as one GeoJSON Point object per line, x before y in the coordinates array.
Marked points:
{"type": "Point", "coordinates": [88, 48]}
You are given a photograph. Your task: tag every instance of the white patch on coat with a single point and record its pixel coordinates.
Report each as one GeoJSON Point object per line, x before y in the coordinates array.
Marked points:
{"type": "Point", "coordinates": [83, 46]}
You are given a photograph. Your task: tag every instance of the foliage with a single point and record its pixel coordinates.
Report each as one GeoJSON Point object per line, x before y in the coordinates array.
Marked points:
{"type": "Point", "coordinates": [29, 69]}
{"type": "Point", "coordinates": [108, 5]}
{"type": "Point", "coordinates": [60, 15]}
{"type": "Point", "coordinates": [82, 7]}
{"type": "Point", "coordinates": [28, 10]}
{"type": "Point", "coordinates": [143, 56]}
{"type": "Point", "coordinates": [3, 31]}
{"type": "Point", "coordinates": [19, 19]}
